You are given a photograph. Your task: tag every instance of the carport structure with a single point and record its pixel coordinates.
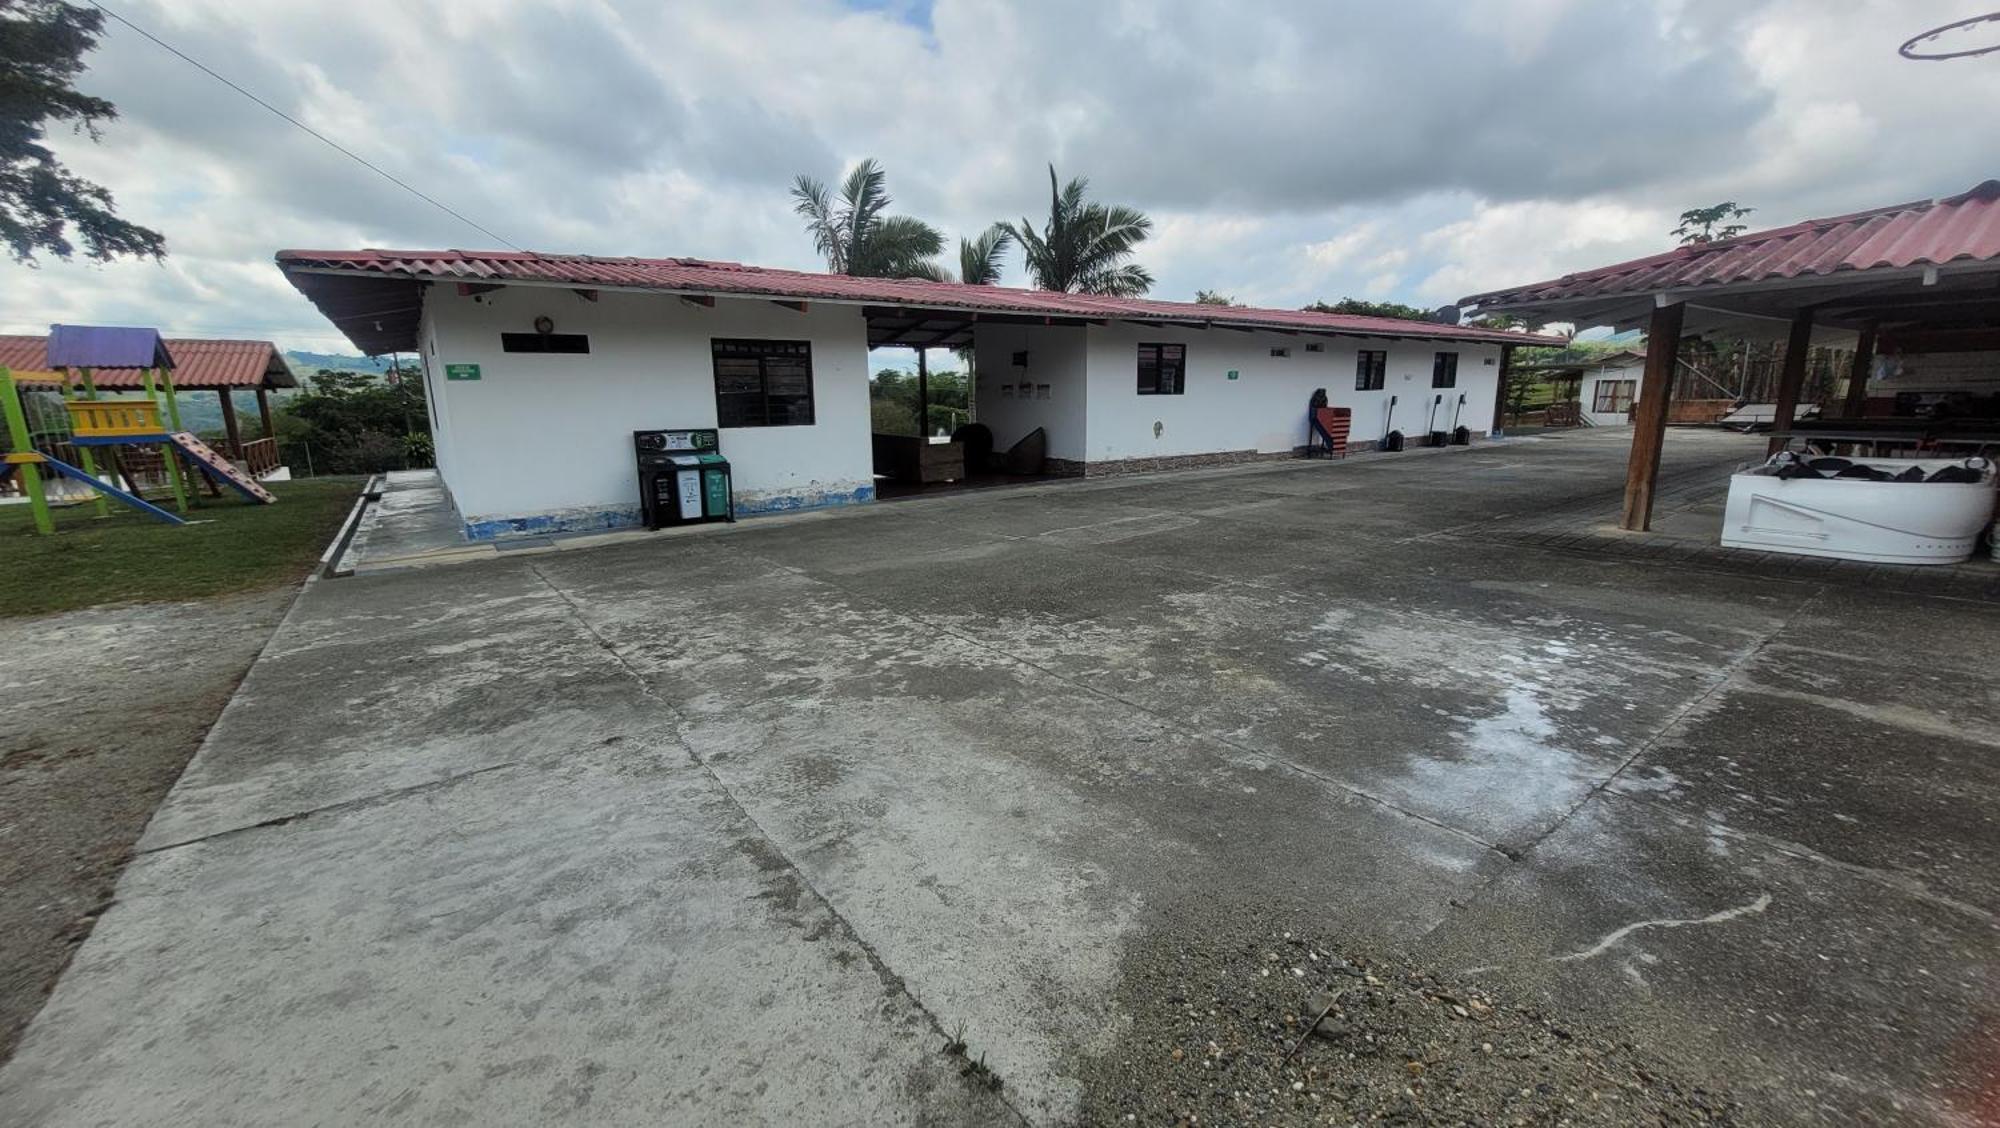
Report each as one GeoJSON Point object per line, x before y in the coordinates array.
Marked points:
{"type": "Point", "coordinates": [1914, 278]}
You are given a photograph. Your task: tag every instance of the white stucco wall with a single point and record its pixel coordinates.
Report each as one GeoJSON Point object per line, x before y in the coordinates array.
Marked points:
{"type": "Point", "coordinates": [1264, 409]}
{"type": "Point", "coordinates": [1587, 394]}
{"type": "Point", "coordinates": [1056, 357]}
{"type": "Point", "coordinates": [544, 441]}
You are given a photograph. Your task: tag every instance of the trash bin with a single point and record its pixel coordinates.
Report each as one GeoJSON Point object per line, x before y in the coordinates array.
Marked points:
{"type": "Point", "coordinates": [718, 501]}
{"type": "Point", "coordinates": [682, 479]}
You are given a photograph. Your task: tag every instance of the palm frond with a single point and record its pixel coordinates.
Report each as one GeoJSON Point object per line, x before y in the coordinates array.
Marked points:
{"type": "Point", "coordinates": [979, 260]}
{"type": "Point", "coordinates": [1082, 246]}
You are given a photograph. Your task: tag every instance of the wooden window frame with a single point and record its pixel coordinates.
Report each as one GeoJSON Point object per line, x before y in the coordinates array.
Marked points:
{"type": "Point", "coordinates": [1598, 398]}
{"type": "Point", "coordinates": [1161, 369]}
{"type": "Point", "coordinates": [731, 408]}
{"type": "Point", "coordinates": [1371, 370]}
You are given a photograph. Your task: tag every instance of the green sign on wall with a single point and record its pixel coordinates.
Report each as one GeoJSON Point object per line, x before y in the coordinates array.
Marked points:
{"type": "Point", "coordinates": [1232, 374]}
{"type": "Point", "coordinates": [461, 372]}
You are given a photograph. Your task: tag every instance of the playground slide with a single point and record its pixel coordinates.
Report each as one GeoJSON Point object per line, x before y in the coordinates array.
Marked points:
{"type": "Point", "coordinates": [205, 459]}
{"type": "Point", "coordinates": [111, 491]}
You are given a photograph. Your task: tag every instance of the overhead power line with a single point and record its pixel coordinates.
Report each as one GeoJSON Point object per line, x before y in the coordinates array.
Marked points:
{"type": "Point", "coordinates": [323, 138]}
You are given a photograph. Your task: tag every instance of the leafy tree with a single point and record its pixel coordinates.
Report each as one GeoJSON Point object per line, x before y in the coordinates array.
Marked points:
{"type": "Point", "coordinates": [1365, 308]}
{"type": "Point", "coordinates": [42, 43]}
{"type": "Point", "coordinates": [357, 423]}
{"type": "Point", "coordinates": [1083, 247]}
{"type": "Point", "coordinates": [1698, 225]}
{"type": "Point", "coordinates": [1214, 297]}
{"type": "Point", "coordinates": [892, 401]}
{"type": "Point", "coordinates": [979, 260]}
{"type": "Point", "coordinates": [855, 236]}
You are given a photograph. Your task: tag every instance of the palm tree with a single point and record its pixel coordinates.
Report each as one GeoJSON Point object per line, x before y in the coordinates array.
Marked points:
{"type": "Point", "coordinates": [1083, 247]}
{"type": "Point", "coordinates": [979, 259]}
{"type": "Point", "coordinates": [856, 238]}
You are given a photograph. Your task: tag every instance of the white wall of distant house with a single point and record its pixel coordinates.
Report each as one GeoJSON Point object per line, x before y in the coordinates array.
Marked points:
{"type": "Point", "coordinates": [544, 434]}
{"type": "Point", "coordinates": [1012, 399]}
{"type": "Point", "coordinates": [1587, 394]}
{"type": "Point", "coordinates": [1264, 408]}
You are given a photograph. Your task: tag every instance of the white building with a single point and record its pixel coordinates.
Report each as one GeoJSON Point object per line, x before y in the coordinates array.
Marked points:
{"type": "Point", "coordinates": [1609, 388]}
{"type": "Point", "coordinates": [538, 369]}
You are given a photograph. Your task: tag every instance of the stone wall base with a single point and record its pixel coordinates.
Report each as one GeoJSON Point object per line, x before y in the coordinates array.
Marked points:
{"type": "Point", "coordinates": [1113, 467]}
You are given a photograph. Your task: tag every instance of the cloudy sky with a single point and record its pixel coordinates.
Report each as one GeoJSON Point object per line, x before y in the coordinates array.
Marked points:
{"type": "Point", "coordinates": [1411, 151]}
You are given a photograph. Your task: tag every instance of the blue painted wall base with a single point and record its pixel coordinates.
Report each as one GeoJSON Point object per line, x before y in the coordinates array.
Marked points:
{"type": "Point", "coordinates": [591, 520]}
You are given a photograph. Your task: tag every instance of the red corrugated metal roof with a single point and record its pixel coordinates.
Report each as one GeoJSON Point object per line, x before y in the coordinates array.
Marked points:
{"type": "Point", "coordinates": [699, 276]}
{"type": "Point", "coordinates": [198, 364]}
{"type": "Point", "coordinates": [1958, 228]}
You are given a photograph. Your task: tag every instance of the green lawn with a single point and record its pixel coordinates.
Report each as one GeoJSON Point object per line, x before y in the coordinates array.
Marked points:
{"type": "Point", "coordinates": [232, 545]}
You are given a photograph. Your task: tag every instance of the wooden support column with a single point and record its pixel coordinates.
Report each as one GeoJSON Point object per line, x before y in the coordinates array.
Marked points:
{"type": "Point", "coordinates": [1500, 391]}
{"type": "Point", "coordinates": [229, 424]}
{"type": "Point", "coordinates": [1791, 379]}
{"type": "Point", "coordinates": [923, 398]}
{"type": "Point", "coordinates": [1649, 418]}
{"type": "Point", "coordinates": [1857, 376]}
{"type": "Point", "coordinates": [264, 412]}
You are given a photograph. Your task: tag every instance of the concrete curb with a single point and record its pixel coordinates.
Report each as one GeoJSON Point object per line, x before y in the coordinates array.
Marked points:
{"type": "Point", "coordinates": [333, 562]}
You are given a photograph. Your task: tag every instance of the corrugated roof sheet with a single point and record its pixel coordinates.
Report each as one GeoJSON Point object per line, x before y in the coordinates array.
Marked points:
{"type": "Point", "coordinates": [1960, 228]}
{"type": "Point", "coordinates": [699, 276]}
{"type": "Point", "coordinates": [199, 364]}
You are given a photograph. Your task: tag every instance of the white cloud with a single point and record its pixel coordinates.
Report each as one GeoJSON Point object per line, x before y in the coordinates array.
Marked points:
{"type": "Point", "coordinates": [1416, 151]}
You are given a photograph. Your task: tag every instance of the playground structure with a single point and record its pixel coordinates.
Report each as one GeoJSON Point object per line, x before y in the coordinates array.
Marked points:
{"type": "Point", "coordinates": [96, 424]}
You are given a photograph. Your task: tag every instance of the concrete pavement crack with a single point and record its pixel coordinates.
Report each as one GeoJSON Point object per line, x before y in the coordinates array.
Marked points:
{"type": "Point", "coordinates": [889, 977]}
{"type": "Point", "coordinates": [359, 803]}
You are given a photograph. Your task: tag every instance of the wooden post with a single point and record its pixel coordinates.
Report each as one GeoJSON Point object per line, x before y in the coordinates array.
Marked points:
{"type": "Point", "coordinates": [264, 412]}
{"type": "Point", "coordinates": [1790, 380]}
{"type": "Point", "coordinates": [229, 424]}
{"type": "Point", "coordinates": [1500, 392]}
{"type": "Point", "coordinates": [1857, 376]}
{"type": "Point", "coordinates": [1649, 418]}
{"type": "Point", "coordinates": [923, 398]}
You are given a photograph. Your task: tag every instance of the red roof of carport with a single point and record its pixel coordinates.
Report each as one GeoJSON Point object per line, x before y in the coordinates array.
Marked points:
{"type": "Point", "coordinates": [1960, 228]}
{"type": "Point", "coordinates": [199, 364]}
{"type": "Point", "coordinates": [699, 276]}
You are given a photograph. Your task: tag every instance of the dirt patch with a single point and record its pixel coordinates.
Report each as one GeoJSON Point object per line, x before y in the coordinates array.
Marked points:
{"type": "Point", "coordinates": [1214, 1018]}
{"type": "Point", "coordinates": [99, 711]}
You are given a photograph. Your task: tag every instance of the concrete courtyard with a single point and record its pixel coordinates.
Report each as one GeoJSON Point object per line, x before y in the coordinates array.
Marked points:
{"type": "Point", "coordinates": [738, 826]}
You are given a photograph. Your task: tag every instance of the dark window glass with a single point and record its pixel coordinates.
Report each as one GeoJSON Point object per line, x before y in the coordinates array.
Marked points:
{"type": "Point", "coordinates": [1162, 370]}
{"type": "Point", "coordinates": [1444, 370]}
{"type": "Point", "coordinates": [544, 343]}
{"type": "Point", "coordinates": [763, 383]}
{"type": "Point", "coordinates": [1371, 370]}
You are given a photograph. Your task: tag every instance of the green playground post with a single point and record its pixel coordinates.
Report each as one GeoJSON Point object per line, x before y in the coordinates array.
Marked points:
{"type": "Point", "coordinates": [20, 442]}
{"type": "Point", "coordinates": [86, 459]}
{"type": "Point", "coordinates": [173, 400]}
{"type": "Point", "coordinates": [168, 453]}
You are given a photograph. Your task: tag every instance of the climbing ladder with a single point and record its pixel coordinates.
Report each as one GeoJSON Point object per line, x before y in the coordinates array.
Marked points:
{"type": "Point", "coordinates": [208, 461]}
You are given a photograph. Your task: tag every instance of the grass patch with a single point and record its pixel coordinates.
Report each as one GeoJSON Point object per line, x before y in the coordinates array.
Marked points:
{"type": "Point", "coordinates": [129, 557]}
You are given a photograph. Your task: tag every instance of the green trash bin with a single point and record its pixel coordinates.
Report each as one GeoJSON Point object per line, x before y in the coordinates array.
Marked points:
{"type": "Point", "coordinates": [717, 501]}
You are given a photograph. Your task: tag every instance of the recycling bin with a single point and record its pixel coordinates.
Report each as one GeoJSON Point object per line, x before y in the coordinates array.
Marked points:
{"type": "Point", "coordinates": [682, 478]}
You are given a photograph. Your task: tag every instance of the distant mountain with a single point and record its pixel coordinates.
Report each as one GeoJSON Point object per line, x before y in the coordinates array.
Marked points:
{"type": "Point", "coordinates": [306, 363]}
